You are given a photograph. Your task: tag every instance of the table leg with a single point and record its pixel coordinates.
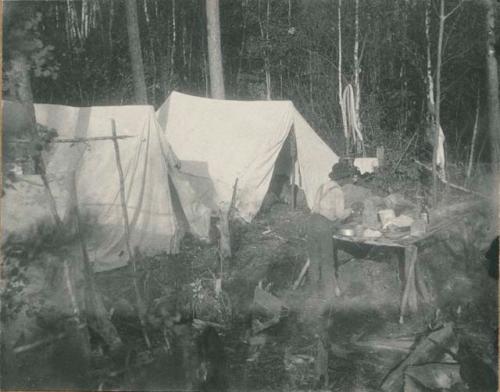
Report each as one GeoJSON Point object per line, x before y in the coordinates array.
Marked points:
{"type": "Point", "coordinates": [402, 273]}
{"type": "Point", "coordinates": [421, 286]}
{"type": "Point", "coordinates": [409, 298]}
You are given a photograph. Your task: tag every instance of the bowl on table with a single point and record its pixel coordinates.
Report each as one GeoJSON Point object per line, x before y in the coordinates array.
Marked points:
{"type": "Point", "coordinates": [347, 232]}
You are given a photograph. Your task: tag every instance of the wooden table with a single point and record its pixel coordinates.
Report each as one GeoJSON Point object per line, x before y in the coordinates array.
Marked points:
{"type": "Point", "coordinates": [406, 248]}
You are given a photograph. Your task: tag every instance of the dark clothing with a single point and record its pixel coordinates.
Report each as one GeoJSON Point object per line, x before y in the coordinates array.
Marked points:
{"type": "Point", "coordinates": [320, 250]}
{"type": "Point", "coordinates": [492, 259]}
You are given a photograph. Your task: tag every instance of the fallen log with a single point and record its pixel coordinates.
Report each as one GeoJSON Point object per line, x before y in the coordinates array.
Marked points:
{"type": "Point", "coordinates": [258, 327]}
{"type": "Point", "coordinates": [430, 349]}
{"type": "Point", "coordinates": [268, 303]}
{"type": "Point", "coordinates": [450, 184]}
{"type": "Point", "coordinates": [200, 324]}
{"type": "Point", "coordinates": [453, 210]}
{"type": "Point", "coordinates": [42, 342]}
{"type": "Point", "coordinates": [432, 376]}
{"type": "Point", "coordinates": [376, 344]}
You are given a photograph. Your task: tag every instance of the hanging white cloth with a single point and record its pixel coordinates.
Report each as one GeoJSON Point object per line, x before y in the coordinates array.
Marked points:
{"type": "Point", "coordinates": [440, 158]}
{"type": "Point", "coordinates": [351, 118]}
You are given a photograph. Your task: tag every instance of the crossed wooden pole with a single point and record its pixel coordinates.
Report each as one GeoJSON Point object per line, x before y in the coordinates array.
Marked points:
{"type": "Point", "coordinates": [132, 261]}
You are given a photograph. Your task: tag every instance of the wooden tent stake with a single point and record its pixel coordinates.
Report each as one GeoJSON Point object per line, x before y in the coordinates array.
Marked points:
{"type": "Point", "coordinates": [302, 274]}
{"type": "Point", "coordinates": [48, 191]}
{"type": "Point", "coordinates": [140, 303]}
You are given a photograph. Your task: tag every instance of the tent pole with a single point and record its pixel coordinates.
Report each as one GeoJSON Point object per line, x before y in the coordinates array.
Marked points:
{"type": "Point", "coordinates": [122, 195]}
{"type": "Point", "coordinates": [293, 153]}
{"type": "Point", "coordinates": [52, 202]}
{"type": "Point", "coordinates": [140, 305]}
{"type": "Point", "coordinates": [97, 315]}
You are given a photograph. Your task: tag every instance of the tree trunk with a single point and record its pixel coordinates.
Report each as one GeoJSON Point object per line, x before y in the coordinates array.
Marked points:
{"type": "Point", "coordinates": [152, 49]}
{"type": "Point", "coordinates": [214, 50]}
{"type": "Point", "coordinates": [267, 60]}
{"type": "Point", "coordinates": [289, 13]}
{"type": "Point", "coordinates": [437, 104]}
{"type": "Point", "coordinates": [21, 83]}
{"type": "Point", "coordinates": [493, 102]}
{"type": "Point", "coordinates": [311, 97]}
{"type": "Point", "coordinates": [281, 79]}
{"type": "Point", "coordinates": [19, 80]}
{"type": "Point", "coordinates": [244, 6]}
{"type": "Point", "coordinates": [430, 80]}
{"type": "Point", "coordinates": [357, 70]}
{"type": "Point", "coordinates": [184, 41]}
{"type": "Point", "coordinates": [110, 26]}
{"type": "Point", "coordinates": [341, 102]}
{"type": "Point", "coordinates": [174, 44]}
{"type": "Point", "coordinates": [430, 117]}
{"type": "Point", "coordinates": [473, 142]}
{"type": "Point", "coordinates": [264, 35]}
{"type": "Point", "coordinates": [140, 91]}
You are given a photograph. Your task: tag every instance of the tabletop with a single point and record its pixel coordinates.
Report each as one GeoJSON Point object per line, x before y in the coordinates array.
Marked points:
{"type": "Point", "coordinates": [401, 240]}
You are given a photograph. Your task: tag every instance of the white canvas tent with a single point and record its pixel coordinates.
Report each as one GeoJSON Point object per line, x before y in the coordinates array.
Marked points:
{"type": "Point", "coordinates": [146, 160]}
{"type": "Point", "coordinates": [219, 141]}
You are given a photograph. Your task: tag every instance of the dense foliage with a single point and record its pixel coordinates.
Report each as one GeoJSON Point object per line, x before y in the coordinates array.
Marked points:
{"type": "Point", "coordinates": [80, 58]}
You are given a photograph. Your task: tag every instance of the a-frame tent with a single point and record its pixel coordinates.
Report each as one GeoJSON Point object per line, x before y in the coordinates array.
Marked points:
{"type": "Point", "coordinates": [146, 160]}
{"type": "Point", "coordinates": [219, 141]}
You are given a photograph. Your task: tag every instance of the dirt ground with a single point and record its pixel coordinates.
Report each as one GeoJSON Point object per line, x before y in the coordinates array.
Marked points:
{"type": "Point", "coordinates": [271, 250]}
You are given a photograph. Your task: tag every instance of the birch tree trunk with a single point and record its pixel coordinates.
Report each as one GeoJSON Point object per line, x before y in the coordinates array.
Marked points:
{"type": "Point", "coordinates": [437, 103]}
{"type": "Point", "coordinates": [214, 50]}
{"type": "Point", "coordinates": [341, 102]}
{"type": "Point", "coordinates": [267, 60]}
{"type": "Point", "coordinates": [357, 87]}
{"type": "Point", "coordinates": [493, 104]}
{"type": "Point", "coordinates": [473, 142]}
{"type": "Point", "coordinates": [174, 44]}
{"type": "Point", "coordinates": [430, 80]}
{"type": "Point", "coordinates": [134, 44]}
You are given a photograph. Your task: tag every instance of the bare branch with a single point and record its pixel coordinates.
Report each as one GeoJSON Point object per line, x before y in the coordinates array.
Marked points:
{"type": "Point", "coordinates": [454, 9]}
{"type": "Point", "coordinates": [362, 52]}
